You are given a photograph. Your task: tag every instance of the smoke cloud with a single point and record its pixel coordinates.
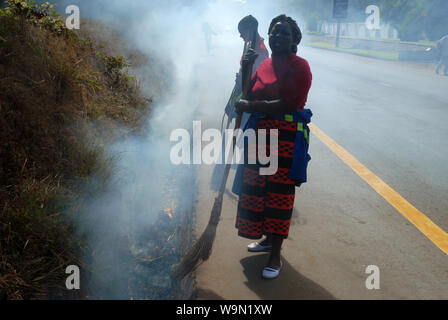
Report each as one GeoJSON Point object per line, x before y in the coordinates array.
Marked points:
{"type": "Point", "coordinates": [120, 224]}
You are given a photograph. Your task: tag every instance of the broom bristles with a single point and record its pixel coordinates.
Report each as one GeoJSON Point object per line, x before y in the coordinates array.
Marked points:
{"type": "Point", "coordinates": [200, 252]}
{"type": "Point", "coordinates": [202, 249]}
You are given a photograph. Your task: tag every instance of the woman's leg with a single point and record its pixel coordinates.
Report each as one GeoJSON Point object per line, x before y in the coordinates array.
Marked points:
{"type": "Point", "coordinates": [280, 192]}
{"type": "Point", "coordinates": [274, 258]}
{"type": "Point", "coordinates": [267, 241]}
{"type": "Point", "coordinates": [445, 62]}
{"type": "Point", "coordinates": [439, 65]}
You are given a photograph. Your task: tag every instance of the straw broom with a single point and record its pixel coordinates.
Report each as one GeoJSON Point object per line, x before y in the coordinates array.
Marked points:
{"type": "Point", "coordinates": [202, 249]}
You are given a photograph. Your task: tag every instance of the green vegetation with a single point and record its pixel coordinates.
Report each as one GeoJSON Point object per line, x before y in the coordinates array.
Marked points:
{"type": "Point", "coordinates": [54, 84]}
{"type": "Point", "coordinates": [414, 19]}
{"type": "Point", "coordinates": [42, 15]}
{"type": "Point", "coordinates": [420, 42]}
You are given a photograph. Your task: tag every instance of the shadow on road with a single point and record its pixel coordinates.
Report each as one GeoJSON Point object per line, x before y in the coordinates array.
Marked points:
{"type": "Point", "coordinates": [290, 285]}
{"type": "Point", "coordinates": [205, 294]}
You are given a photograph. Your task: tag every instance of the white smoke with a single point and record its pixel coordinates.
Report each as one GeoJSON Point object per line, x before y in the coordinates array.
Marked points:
{"type": "Point", "coordinates": [200, 84]}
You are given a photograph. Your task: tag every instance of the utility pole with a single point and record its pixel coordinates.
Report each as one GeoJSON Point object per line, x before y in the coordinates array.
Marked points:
{"type": "Point", "coordinates": [340, 11]}
{"type": "Point", "coordinates": [338, 33]}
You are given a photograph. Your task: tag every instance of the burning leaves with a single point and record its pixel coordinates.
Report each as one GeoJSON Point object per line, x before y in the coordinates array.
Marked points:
{"type": "Point", "coordinates": [171, 209]}
{"type": "Point", "coordinates": [139, 262]}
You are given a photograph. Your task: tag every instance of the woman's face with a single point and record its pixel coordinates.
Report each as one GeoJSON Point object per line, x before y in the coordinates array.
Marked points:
{"type": "Point", "coordinates": [280, 39]}
{"type": "Point", "coordinates": [247, 34]}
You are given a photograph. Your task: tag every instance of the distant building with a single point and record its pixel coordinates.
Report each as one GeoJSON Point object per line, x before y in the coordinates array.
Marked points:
{"type": "Point", "coordinates": [358, 30]}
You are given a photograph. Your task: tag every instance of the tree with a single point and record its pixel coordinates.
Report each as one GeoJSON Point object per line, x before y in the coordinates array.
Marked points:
{"type": "Point", "coordinates": [310, 11]}
{"type": "Point", "coordinates": [436, 19]}
{"type": "Point", "coordinates": [414, 19]}
{"type": "Point", "coordinates": [406, 16]}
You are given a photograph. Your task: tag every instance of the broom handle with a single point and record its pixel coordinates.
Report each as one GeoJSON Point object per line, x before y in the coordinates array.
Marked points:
{"type": "Point", "coordinates": [201, 250]}
{"type": "Point", "coordinates": [228, 165]}
{"type": "Point", "coordinates": [247, 73]}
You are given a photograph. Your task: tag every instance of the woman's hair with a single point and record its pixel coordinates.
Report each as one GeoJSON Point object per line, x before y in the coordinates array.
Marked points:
{"type": "Point", "coordinates": [296, 33]}
{"type": "Point", "coordinates": [248, 22]}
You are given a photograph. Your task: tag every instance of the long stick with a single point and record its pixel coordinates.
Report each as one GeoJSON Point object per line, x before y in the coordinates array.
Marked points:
{"type": "Point", "coordinates": [202, 249]}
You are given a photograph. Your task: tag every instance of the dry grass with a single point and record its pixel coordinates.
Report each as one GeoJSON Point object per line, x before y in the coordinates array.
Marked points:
{"type": "Point", "coordinates": [52, 86]}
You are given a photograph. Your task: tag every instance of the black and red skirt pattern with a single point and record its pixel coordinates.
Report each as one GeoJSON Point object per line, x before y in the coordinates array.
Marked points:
{"type": "Point", "coordinates": [266, 203]}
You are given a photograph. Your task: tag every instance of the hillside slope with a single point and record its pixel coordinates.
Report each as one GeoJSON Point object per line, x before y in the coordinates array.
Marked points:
{"type": "Point", "coordinates": [63, 98]}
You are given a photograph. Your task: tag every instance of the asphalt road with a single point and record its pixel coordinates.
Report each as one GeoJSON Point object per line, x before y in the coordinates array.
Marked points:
{"type": "Point", "coordinates": [392, 118]}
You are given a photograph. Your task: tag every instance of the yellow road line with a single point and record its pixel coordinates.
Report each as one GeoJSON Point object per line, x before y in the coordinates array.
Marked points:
{"type": "Point", "coordinates": [432, 231]}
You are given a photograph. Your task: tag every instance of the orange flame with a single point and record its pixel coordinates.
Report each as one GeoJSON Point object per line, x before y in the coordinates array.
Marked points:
{"type": "Point", "coordinates": [168, 212]}
{"type": "Point", "coordinates": [171, 210]}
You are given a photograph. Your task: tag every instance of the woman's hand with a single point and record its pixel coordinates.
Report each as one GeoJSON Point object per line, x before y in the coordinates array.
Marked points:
{"type": "Point", "coordinates": [243, 106]}
{"type": "Point", "coordinates": [250, 56]}
{"type": "Point", "coordinates": [270, 107]}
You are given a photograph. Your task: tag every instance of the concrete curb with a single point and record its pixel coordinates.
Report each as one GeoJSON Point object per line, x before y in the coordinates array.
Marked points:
{"type": "Point", "coordinates": [352, 53]}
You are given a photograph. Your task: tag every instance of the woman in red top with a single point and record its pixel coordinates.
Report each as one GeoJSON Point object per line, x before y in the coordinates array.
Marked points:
{"type": "Point", "coordinates": [280, 86]}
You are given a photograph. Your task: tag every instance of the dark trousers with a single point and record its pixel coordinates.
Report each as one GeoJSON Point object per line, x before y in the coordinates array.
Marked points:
{"type": "Point", "coordinates": [443, 62]}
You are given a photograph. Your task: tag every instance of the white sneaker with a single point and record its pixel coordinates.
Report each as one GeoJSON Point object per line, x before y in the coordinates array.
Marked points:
{"type": "Point", "coordinates": [256, 247]}
{"type": "Point", "coordinates": [271, 273]}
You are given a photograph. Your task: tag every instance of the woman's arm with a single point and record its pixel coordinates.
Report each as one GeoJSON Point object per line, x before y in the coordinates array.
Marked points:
{"type": "Point", "coordinates": [270, 107]}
